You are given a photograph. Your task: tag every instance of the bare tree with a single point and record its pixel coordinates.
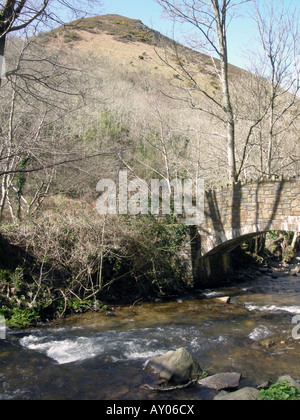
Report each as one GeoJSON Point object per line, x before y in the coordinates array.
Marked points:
{"type": "Point", "coordinates": [41, 90]}
{"type": "Point", "coordinates": [17, 15]}
{"type": "Point", "coordinates": [279, 70]}
{"type": "Point", "coordinates": [38, 103]}
{"type": "Point", "coordinates": [211, 18]}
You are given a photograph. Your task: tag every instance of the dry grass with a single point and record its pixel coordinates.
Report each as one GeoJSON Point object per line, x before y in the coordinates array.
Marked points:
{"type": "Point", "coordinates": [131, 45]}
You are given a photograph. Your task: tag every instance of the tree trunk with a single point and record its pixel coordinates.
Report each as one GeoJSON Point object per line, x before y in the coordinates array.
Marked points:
{"type": "Point", "coordinates": [233, 176]}
{"type": "Point", "coordinates": [230, 123]}
{"type": "Point", "coordinates": [271, 125]}
{"type": "Point", "coordinates": [2, 44]}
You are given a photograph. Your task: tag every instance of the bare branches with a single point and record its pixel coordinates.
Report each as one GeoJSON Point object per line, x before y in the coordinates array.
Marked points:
{"type": "Point", "coordinates": [270, 100]}
{"type": "Point", "coordinates": [278, 67]}
{"type": "Point", "coordinates": [210, 19]}
{"type": "Point", "coordinates": [17, 15]}
{"type": "Point", "coordinates": [55, 165]}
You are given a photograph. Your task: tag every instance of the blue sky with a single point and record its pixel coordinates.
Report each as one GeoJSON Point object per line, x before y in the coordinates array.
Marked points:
{"type": "Point", "coordinates": [242, 30]}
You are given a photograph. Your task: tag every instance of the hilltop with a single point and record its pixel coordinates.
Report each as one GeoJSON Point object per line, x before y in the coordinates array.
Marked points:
{"type": "Point", "coordinates": [121, 28]}
{"type": "Point", "coordinates": [131, 50]}
{"type": "Point", "coordinates": [119, 37]}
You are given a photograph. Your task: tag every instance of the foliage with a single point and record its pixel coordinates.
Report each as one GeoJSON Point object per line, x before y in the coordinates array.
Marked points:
{"type": "Point", "coordinates": [71, 36]}
{"type": "Point", "coordinates": [280, 391]}
{"type": "Point", "coordinates": [112, 126]}
{"type": "Point", "coordinates": [14, 303]}
{"type": "Point", "coordinates": [276, 244]}
{"type": "Point", "coordinates": [74, 260]}
{"type": "Point", "coordinates": [20, 318]}
{"type": "Point", "coordinates": [151, 251]}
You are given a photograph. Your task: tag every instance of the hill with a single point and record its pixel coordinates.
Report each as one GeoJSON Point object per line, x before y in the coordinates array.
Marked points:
{"type": "Point", "coordinates": [165, 101]}
{"type": "Point", "coordinates": [149, 80]}
{"type": "Point", "coordinates": [128, 42]}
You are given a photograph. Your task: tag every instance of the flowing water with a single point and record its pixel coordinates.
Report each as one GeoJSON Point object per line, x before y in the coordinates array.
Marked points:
{"type": "Point", "coordinates": [103, 356]}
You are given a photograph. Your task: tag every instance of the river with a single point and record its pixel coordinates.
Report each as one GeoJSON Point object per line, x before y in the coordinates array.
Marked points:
{"type": "Point", "coordinates": [103, 356]}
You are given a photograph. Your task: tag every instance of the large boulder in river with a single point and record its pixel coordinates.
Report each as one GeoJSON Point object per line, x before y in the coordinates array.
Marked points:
{"type": "Point", "coordinates": [176, 366]}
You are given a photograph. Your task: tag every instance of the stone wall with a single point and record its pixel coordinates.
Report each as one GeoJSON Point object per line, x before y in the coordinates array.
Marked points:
{"type": "Point", "coordinates": [238, 212]}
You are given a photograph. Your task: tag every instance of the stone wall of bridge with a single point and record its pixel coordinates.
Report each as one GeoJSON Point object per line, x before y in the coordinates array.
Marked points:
{"type": "Point", "coordinates": [236, 213]}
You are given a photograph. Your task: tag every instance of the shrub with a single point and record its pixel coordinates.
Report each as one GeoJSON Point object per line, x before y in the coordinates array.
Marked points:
{"type": "Point", "coordinates": [71, 36]}
{"type": "Point", "coordinates": [280, 391]}
{"type": "Point", "coordinates": [73, 259]}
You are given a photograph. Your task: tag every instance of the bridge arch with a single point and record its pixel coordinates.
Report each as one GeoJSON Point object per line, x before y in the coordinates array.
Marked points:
{"type": "Point", "coordinates": [236, 213]}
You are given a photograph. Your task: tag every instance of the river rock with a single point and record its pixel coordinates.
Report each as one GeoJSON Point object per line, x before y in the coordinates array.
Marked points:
{"type": "Point", "coordinates": [221, 381]}
{"type": "Point", "coordinates": [290, 380]}
{"type": "Point", "coordinates": [265, 385]}
{"type": "Point", "coordinates": [175, 366]}
{"type": "Point", "coordinates": [266, 343]}
{"type": "Point", "coordinates": [244, 394]}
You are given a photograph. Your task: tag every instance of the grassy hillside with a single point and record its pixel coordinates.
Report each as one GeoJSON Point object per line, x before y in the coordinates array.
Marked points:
{"type": "Point", "coordinates": [122, 28]}
{"type": "Point", "coordinates": [129, 31]}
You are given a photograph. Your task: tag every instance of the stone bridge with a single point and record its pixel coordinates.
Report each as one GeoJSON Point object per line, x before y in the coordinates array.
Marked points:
{"type": "Point", "coordinates": [236, 213]}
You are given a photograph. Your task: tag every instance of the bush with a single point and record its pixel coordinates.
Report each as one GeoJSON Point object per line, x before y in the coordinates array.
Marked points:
{"type": "Point", "coordinates": [280, 391]}
{"type": "Point", "coordinates": [73, 259]}
{"type": "Point", "coordinates": [71, 36]}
